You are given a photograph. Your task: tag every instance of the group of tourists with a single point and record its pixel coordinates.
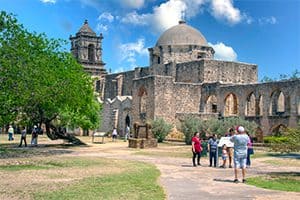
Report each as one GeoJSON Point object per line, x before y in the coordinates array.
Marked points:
{"type": "Point", "coordinates": [238, 153]}
{"type": "Point", "coordinates": [34, 135]}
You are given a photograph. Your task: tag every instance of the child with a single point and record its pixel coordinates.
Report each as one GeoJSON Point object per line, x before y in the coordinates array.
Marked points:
{"type": "Point", "coordinates": [224, 156]}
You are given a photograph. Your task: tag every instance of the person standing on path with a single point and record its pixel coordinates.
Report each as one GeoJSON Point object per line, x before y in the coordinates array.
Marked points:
{"type": "Point", "coordinates": [249, 150]}
{"type": "Point", "coordinates": [34, 136]}
{"type": "Point", "coordinates": [114, 134]}
{"type": "Point", "coordinates": [10, 133]}
{"type": "Point", "coordinates": [240, 141]}
{"type": "Point", "coordinates": [23, 137]}
{"type": "Point", "coordinates": [230, 149]}
{"type": "Point", "coordinates": [212, 148]}
{"type": "Point", "coordinates": [196, 148]}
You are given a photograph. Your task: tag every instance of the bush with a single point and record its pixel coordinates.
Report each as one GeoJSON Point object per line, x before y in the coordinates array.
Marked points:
{"type": "Point", "coordinates": [220, 127]}
{"type": "Point", "coordinates": [160, 129]}
{"type": "Point", "coordinates": [290, 142]}
{"type": "Point", "coordinates": [213, 126]}
{"type": "Point", "coordinates": [191, 125]}
{"type": "Point", "coordinates": [275, 139]}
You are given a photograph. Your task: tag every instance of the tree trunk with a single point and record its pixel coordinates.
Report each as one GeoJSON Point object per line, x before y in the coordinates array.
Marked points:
{"type": "Point", "coordinates": [59, 133]}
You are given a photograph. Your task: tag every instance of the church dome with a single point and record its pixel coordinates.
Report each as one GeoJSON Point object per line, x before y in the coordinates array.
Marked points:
{"type": "Point", "coordinates": [181, 34]}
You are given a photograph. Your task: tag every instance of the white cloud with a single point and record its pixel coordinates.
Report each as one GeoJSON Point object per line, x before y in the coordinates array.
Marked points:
{"type": "Point", "coordinates": [135, 4]}
{"type": "Point", "coordinates": [129, 51]}
{"type": "Point", "coordinates": [224, 10]}
{"type": "Point", "coordinates": [106, 16]}
{"type": "Point", "coordinates": [223, 52]}
{"type": "Point", "coordinates": [101, 27]}
{"type": "Point", "coordinates": [48, 1]}
{"type": "Point", "coordinates": [136, 19]}
{"type": "Point", "coordinates": [167, 14]}
{"type": "Point", "coordinates": [267, 20]}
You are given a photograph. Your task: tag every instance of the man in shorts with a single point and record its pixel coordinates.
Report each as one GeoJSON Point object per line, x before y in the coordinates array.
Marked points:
{"type": "Point", "coordinates": [240, 141]}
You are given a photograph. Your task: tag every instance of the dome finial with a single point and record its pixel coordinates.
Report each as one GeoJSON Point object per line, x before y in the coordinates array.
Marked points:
{"type": "Point", "coordinates": [181, 21]}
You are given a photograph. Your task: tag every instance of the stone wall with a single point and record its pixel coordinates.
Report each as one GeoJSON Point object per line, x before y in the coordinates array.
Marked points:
{"type": "Point", "coordinates": [229, 72]}
{"type": "Point", "coordinates": [179, 53]}
{"type": "Point", "coordinates": [143, 94]}
{"type": "Point", "coordinates": [263, 97]}
{"type": "Point", "coordinates": [190, 72]}
{"type": "Point", "coordinates": [119, 84]}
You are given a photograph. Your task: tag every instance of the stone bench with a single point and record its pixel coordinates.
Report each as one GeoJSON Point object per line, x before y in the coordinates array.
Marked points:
{"type": "Point", "coordinates": [98, 134]}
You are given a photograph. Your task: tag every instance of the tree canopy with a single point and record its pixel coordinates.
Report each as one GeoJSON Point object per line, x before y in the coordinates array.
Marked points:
{"type": "Point", "coordinates": [42, 83]}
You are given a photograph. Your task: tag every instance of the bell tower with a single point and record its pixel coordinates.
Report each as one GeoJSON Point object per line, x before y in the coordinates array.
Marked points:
{"type": "Point", "coordinates": [86, 47]}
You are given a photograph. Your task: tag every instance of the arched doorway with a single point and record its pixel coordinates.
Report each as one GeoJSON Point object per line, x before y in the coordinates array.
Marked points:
{"type": "Point", "coordinates": [127, 121]}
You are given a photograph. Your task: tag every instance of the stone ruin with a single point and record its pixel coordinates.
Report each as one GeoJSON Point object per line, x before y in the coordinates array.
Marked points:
{"type": "Point", "coordinates": [143, 137]}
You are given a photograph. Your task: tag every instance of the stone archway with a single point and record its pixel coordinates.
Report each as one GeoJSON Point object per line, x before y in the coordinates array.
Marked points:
{"type": "Point", "coordinates": [259, 135]}
{"type": "Point", "coordinates": [127, 121]}
{"type": "Point", "coordinates": [211, 104]}
{"type": "Point", "coordinates": [251, 105]}
{"type": "Point", "coordinates": [277, 103]}
{"type": "Point", "coordinates": [231, 105]}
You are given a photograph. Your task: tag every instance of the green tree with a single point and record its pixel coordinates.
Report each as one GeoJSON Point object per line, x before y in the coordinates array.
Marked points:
{"type": "Point", "coordinates": [220, 127]}
{"type": "Point", "coordinates": [189, 126]}
{"type": "Point", "coordinates": [42, 83]}
{"type": "Point", "coordinates": [160, 129]}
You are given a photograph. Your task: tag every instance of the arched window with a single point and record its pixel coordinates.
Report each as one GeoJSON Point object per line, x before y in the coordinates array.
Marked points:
{"type": "Point", "coordinates": [277, 103]}
{"type": "Point", "coordinates": [260, 106]}
{"type": "Point", "coordinates": [251, 105]}
{"type": "Point", "coordinates": [231, 105]}
{"type": "Point", "coordinates": [211, 104]}
{"type": "Point", "coordinates": [91, 53]}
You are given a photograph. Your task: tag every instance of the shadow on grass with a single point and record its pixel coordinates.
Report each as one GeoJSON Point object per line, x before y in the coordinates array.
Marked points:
{"type": "Point", "coordinates": [13, 151]}
{"type": "Point", "coordinates": [287, 174]}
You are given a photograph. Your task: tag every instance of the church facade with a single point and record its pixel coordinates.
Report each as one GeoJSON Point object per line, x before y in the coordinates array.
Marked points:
{"type": "Point", "coordinates": [183, 79]}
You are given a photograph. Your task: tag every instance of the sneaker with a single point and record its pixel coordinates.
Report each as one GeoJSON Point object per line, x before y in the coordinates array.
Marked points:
{"type": "Point", "coordinates": [222, 166]}
{"type": "Point", "coordinates": [230, 166]}
{"type": "Point", "coordinates": [235, 180]}
{"type": "Point", "coordinates": [244, 181]}
{"type": "Point", "coordinates": [199, 164]}
{"type": "Point", "coordinates": [195, 165]}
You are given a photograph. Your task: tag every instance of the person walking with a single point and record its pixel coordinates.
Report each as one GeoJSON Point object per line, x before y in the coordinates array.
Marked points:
{"type": "Point", "coordinates": [196, 148]}
{"type": "Point", "coordinates": [212, 148]}
{"type": "Point", "coordinates": [23, 137]}
{"type": "Point", "coordinates": [10, 133]}
{"type": "Point", "coordinates": [240, 141]}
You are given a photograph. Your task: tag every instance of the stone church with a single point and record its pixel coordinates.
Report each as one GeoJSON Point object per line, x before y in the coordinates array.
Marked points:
{"type": "Point", "coordinates": [183, 79]}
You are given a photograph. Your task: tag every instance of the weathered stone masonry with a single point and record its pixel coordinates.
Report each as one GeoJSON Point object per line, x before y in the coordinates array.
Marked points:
{"type": "Point", "coordinates": [184, 79]}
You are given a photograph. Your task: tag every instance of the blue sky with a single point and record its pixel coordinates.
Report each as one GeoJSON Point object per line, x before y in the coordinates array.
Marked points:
{"type": "Point", "coordinates": [263, 32]}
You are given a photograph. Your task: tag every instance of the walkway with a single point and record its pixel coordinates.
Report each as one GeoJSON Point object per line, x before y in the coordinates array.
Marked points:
{"type": "Point", "coordinates": [181, 181]}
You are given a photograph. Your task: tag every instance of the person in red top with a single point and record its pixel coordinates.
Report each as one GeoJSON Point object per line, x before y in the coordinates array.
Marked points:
{"type": "Point", "coordinates": [196, 148]}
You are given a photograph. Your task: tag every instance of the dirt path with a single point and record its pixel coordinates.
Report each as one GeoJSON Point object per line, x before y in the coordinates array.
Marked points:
{"type": "Point", "coordinates": [182, 181]}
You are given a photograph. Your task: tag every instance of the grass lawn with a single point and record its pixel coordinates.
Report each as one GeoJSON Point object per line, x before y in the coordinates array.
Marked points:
{"type": "Point", "coordinates": [289, 181]}
{"type": "Point", "coordinates": [138, 182]}
{"type": "Point", "coordinates": [49, 172]}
